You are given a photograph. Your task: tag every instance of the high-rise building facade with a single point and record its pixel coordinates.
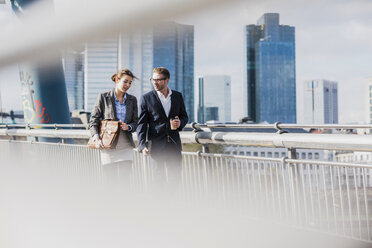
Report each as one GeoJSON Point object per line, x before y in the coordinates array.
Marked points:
{"type": "Point", "coordinates": [101, 62]}
{"type": "Point", "coordinates": [73, 65]}
{"type": "Point", "coordinates": [320, 102]}
{"type": "Point", "coordinates": [271, 71]}
{"type": "Point", "coordinates": [369, 100]}
{"type": "Point", "coordinates": [214, 98]}
{"type": "Point", "coordinates": [169, 45]}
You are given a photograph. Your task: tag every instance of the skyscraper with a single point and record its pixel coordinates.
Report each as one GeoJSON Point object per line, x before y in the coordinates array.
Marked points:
{"type": "Point", "coordinates": [320, 102]}
{"type": "Point", "coordinates": [369, 100]}
{"type": "Point", "coordinates": [214, 98]}
{"type": "Point", "coordinates": [271, 72]}
{"type": "Point", "coordinates": [73, 65]}
{"type": "Point", "coordinates": [101, 62]}
{"type": "Point", "coordinates": [169, 45]}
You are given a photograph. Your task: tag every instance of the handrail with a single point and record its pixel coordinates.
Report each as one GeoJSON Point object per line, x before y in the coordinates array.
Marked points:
{"type": "Point", "coordinates": [279, 126]}
{"type": "Point", "coordinates": [56, 126]}
{"type": "Point", "coordinates": [342, 142]}
{"type": "Point", "coordinates": [197, 126]}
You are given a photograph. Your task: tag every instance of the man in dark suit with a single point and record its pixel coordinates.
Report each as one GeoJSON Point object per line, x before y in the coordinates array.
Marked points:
{"type": "Point", "coordinates": [162, 116]}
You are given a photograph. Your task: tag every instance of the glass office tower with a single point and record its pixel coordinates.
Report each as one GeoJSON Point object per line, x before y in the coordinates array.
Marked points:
{"type": "Point", "coordinates": [271, 71]}
{"type": "Point", "coordinates": [174, 49]}
{"type": "Point", "coordinates": [169, 45]}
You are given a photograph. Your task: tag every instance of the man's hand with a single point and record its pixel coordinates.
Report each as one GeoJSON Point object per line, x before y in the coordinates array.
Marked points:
{"type": "Point", "coordinates": [146, 151]}
{"type": "Point", "coordinates": [175, 123]}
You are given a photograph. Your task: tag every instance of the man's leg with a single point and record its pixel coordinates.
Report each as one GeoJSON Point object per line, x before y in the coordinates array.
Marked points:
{"type": "Point", "coordinates": [173, 166]}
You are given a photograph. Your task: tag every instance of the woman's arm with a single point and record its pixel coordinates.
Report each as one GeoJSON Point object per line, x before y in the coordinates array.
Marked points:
{"type": "Point", "coordinates": [96, 116]}
{"type": "Point", "coordinates": [134, 118]}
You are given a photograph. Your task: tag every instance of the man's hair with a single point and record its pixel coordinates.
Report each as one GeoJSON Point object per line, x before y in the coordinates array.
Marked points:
{"type": "Point", "coordinates": [162, 70]}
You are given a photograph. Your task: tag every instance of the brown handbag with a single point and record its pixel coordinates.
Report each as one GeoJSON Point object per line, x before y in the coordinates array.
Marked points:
{"type": "Point", "coordinates": [108, 133]}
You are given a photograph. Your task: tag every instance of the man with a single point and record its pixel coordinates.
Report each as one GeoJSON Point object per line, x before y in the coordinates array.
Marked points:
{"type": "Point", "coordinates": [162, 116]}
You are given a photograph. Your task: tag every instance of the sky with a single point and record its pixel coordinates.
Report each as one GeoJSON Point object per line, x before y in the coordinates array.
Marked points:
{"type": "Point", "coordinates": [333, 42]}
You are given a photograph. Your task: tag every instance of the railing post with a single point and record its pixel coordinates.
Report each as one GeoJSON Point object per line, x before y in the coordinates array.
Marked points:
{"type": "Point", "coordinates": [291, 153]}
{"type": "Point", "coordinates": [205, 148]}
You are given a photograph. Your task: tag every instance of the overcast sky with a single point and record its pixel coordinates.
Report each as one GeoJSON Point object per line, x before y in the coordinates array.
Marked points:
{"type": "Point", "coordinates": [333, 41]}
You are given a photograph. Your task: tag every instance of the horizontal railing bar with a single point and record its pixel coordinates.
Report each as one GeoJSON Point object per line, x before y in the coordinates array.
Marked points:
{"type": "Point", "coordinates": [318, 162]}
{"type": "Point", "coordinates": [48, 133]}
{"type": "Point", "coordinates": [230, 156]}
{"type": "Point", "coordinates": [232, 126]}
{"type": "Point", "coordinates": [283, 160]}
{"type": "Point", "coordinates": [343, 142]}
{"type": "Point", "coordinates": [44, 143]}
{"type": "Point", "coordinates": [29, 125]}
{"type": "Point", "coordinates": [284, 126]}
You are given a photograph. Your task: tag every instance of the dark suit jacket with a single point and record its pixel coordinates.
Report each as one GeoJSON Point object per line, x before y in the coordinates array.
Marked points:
{"type": "Point", "coordinates": [154, 125]}
{"type": "Point", "coordinates": [105, 110]}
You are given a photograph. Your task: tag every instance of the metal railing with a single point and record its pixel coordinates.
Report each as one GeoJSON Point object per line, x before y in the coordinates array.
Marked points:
{"type": "Point", "coordinates": [342, 142]}
{"type": "Point", "coordinates": [195, 126]}
{"type": "Point", "coordinates": [319, 195]}
{"type": "Point", "coordinates": [327, 196]}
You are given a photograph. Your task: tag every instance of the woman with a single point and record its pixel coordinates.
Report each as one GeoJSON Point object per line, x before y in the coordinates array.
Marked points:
{"type": "Point", "coordinates": [120, 106]}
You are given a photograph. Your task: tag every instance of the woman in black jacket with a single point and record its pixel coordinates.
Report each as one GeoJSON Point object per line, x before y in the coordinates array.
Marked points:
{"type": "Point", "coordinates": [120, 106]}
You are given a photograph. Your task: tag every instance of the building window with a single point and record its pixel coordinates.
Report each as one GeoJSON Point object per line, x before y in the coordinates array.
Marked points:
{"type": "Point", "coordinates": [276, 154]}
{"type": "Point", "coordinates": [262, 154]}
{"type": "Point", "coordinates": [310, 156]}
{"type": "Point", "coordinates": [255, 154]}
{"type": "Point", "coordinates": [283, 154]}
{"type": "Point", "coordinates": [303, 155]}
{"type": "Point", "coordinates": [316, 155]}
{"type": "Point", "coordinates": [248, 153]}
{"type": "Point", "coordinates": [270, 154]}
{"type": "Point", "coordinates": [241, 153]}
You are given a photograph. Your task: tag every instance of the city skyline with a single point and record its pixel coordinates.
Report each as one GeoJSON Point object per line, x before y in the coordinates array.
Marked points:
{"type": "Point", "coordinates": [329, 44]}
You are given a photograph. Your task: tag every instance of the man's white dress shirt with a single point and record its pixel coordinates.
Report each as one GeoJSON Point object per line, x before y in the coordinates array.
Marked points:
{"type": "Point", "coordinates": [165, 101]}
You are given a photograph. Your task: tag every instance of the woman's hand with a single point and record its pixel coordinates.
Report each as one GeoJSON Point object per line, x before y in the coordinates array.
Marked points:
{"type": "Point", "coordinates": [99, 144]}
{"type": "Point", "coordinates": [124, 126]}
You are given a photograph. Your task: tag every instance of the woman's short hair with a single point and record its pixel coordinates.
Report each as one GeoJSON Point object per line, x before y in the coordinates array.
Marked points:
{"type": "Point", "coordinates": [162, 70]}
{"type": "Point", "coordinates": [122, 73]}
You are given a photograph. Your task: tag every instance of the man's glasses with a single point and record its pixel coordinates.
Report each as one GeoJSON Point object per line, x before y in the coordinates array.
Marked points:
{"type": "Point", "coordinates": [155, 80]}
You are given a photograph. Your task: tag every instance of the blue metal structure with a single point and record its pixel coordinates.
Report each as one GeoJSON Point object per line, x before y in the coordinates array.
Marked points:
{"type": "Point", "coordinates": [44, 93]}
